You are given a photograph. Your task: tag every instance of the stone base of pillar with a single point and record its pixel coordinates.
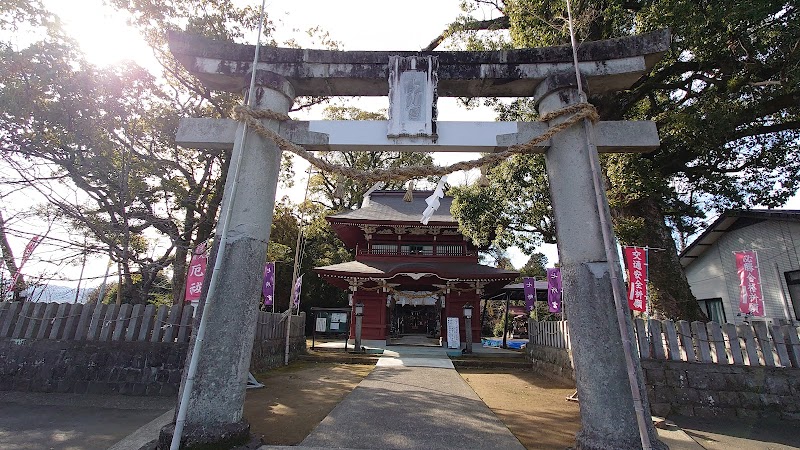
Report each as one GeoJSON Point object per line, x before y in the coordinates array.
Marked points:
{"type": "Point", "coordinates": [200, 437]}
{"type": "Point", "coordinates": [608, 414]}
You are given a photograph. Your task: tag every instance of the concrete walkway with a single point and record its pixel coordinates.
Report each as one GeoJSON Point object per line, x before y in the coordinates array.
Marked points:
{"type": "Point", "coordinates": [413, 399]}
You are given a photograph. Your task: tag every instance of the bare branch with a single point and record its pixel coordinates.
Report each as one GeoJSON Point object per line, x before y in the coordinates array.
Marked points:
{"type": "Point", "coordinates": [500, 23]}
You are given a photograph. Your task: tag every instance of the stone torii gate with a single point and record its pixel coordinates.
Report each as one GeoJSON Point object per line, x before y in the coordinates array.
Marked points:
{"type": "Point", "coordinates": [413, 81]}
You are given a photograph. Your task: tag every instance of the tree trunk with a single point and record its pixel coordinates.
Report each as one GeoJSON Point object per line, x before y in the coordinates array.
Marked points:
{"type": "Point", "coordinates": [179, 272]}
{"type": "Point", "coordinates": [670, 293]}
{"type": "Point", "coordinates": [8, 258]}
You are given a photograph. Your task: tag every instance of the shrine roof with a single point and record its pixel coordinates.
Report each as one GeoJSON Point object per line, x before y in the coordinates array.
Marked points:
{"type": "Point", "coordinates": [389, 207]}
{"type": "Point", "coordinates": [389, 269]}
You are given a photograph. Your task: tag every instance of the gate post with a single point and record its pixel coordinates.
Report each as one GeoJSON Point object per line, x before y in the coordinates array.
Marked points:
{"type": "Point", "coordinates": [608, 416]}
{"type": "Point", "coordinates": [216, 401]}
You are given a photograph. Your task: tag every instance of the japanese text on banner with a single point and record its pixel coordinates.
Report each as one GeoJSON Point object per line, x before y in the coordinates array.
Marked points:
{"type": "Point", "coordinates": [636, 264]}
{"type": "Point", "coordinates": [751, 300]}
{"type": "Point", "coordinates": [529, 288]}
{"type": "Point", "coordinates": [554, 290]}
{"type": "Point", "coordinates": [196, 274]}
{"type": "Point", "coordinates": [268, 287]}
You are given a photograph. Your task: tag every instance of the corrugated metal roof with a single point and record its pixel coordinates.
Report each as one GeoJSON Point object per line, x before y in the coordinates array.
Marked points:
{"type": "Point", "coordinates": [728, 221]}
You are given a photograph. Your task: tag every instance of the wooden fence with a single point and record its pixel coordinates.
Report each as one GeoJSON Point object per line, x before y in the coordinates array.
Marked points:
{"type": "Point", "coordinates": [757, 344]}
{"type": "Point", "coordinates": [140, 323]}
{"type": "Point", "coordinates": [549, 333]}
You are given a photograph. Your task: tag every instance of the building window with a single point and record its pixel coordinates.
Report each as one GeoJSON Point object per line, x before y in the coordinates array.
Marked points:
{"type": "Point", "coordinates": [713, 309]}
{"type": "Point", "coordinates": [449, 250]}
{"type": "Point", "coordinates": [416, 249]}
{"type": "Point", "coordinates": [793, 283]}
{"type": "Point", "coordinates": [384, 249]}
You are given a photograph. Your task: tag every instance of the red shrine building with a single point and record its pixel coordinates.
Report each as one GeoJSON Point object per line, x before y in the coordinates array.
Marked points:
{"type": "Point", "coordinates": [410, 276]}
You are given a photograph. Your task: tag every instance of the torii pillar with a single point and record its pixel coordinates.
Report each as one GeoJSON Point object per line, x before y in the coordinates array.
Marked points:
{"type": "Point", "coordinates": [601, 373]}
{"type": "Point", "coordinates": [216, 402]}
{"type": "Point", "coordinates": [606, 401]}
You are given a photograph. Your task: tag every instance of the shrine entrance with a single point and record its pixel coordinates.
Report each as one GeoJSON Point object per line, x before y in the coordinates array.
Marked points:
{"type": "Point", "coordinates": [614, 408]}
{"type": "Point", "coordinates": [419, 320]}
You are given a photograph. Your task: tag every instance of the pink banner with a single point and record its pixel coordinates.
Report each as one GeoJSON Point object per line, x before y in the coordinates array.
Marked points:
{"type": "Point", "coordinates": [26, 254]}
{"type": "Point", "coordinates": [636, 264]}
{"type": "Point", "coordinates": [197, 271]}
{"type": "Point", "coordinates": [751, 300]}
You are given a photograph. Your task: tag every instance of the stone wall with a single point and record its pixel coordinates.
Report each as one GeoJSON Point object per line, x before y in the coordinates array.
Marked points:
{"type": "Point", "coordinates": [113, 367]}
{"type": "Point", "coordinates": [551, 361]}
{"type": "Point", "coordinates": [86, 367]}
{"type": "Point", "coordinates": [268, 354]}
{"type": "Point", "coordinates": [715, 390]}
{"type": "Point", "coordinates": [700, 390]}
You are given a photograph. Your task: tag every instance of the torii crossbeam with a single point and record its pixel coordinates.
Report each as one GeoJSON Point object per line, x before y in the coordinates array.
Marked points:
{"type": "Point", "coordinates": [413, 81]}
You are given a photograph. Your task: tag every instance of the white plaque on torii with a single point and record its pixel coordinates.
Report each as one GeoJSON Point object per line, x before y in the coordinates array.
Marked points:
{"type": "Point", "coordinates": [412, 97]}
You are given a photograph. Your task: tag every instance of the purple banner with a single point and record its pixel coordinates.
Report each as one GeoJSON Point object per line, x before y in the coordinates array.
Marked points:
{"type": "Point", "coordinates": [529, 286]}
{"type": "Point", "coordinates": [554, 290]}
{"type": "Point", "coordinates": [268, 288]}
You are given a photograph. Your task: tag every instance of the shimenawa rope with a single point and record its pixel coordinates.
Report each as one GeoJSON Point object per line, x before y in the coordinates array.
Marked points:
{"type": "Point", "coordinates": [253, 118]}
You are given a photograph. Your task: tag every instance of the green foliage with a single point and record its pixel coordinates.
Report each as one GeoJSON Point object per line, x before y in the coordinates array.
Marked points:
{"type": "Point", "coordinates": [513, 210]}
{"type": "Point", "coordinates": [497, 330]}
{"type": "Point", "coordinates": [159, 294]}
{"type": "Point", "coordinates": [536, 266]}
{"type": "Point", "coordinates": [726, 99]}
{"type": "Point", "coordinates": [106, 135]}
{"type": "Point", "coordinates": [322, 248]}
{"type": "Point", "coordinates": [542, 313]}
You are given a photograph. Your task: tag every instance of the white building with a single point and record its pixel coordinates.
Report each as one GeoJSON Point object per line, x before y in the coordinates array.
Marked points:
{"type": "Point", "coordinates": [710, 264]}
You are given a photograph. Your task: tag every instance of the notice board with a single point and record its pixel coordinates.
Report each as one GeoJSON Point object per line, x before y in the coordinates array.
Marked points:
{"type": "Point", "coordinates": [331, 321]}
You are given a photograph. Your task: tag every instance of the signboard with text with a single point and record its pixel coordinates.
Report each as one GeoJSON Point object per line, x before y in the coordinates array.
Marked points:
{"type": "Point", "coordinates": [453, 338]}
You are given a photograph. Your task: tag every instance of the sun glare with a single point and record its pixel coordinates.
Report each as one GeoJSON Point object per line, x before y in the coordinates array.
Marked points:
{"type": "Point", "coordinates": [102, 32]}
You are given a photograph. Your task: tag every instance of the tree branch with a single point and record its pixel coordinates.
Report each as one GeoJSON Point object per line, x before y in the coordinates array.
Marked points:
{"type": "Point", "coordinates": [500, 23]}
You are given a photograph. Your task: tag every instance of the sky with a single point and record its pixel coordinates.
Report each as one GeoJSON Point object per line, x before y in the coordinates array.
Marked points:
{"type": "Point", "coordinates": [105, 38]}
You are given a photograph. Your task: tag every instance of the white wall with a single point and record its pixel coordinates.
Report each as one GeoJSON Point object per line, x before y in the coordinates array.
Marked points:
{"type": "Point", "coordinates": [713, 274]}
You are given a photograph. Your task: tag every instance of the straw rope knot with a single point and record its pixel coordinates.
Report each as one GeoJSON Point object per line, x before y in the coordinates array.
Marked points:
{"type": "Point", "coordinates": [252, 118]}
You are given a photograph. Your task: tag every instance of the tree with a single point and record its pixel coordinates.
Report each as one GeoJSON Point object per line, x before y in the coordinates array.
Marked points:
{"type": "Point", "coordinates": [106, 136]}
{"type": "Point", "coordinates": [11, 265]}
{"type": "Point", "coordinates": [726, 99]}
{"type": "Point", "coordinates": [535, 266]}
